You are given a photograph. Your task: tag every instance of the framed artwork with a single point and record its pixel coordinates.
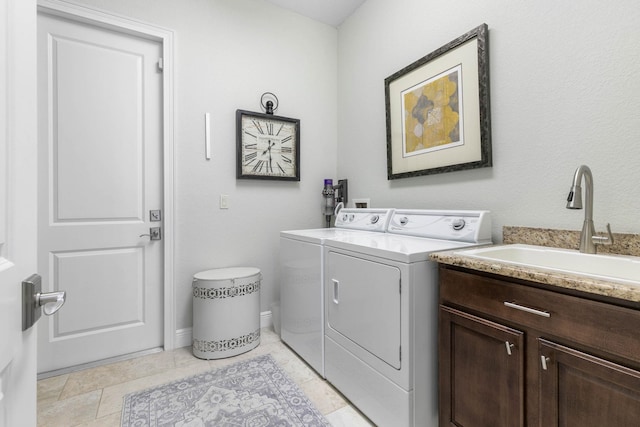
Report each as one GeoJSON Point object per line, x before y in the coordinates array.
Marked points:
{"type": "Point", "coordinates": [437, 110]}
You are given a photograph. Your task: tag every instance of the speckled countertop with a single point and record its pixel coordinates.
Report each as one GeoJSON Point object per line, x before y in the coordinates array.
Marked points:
{"type": "Point", "coordinates": [625, 244]}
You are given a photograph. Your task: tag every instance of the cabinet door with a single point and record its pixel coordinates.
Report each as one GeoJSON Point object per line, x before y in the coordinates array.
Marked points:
{"type": "Point", "coordinates": [578, 389]}
{"type": "Point", "coordinates": [481, 372]}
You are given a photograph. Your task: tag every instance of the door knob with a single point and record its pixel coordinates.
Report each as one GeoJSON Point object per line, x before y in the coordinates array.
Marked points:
{"type": "Point", "coordinates": [34, 301]}
{"type": "Point", "coordinates": [51, 302]}
{"type": "Point", "coordinates": [155, 233]}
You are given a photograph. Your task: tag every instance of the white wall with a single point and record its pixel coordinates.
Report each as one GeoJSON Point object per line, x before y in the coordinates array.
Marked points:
{"type": "Point", "coordinates": [565, 90]}
{"type": "Point", "coordinates": [228, 53]}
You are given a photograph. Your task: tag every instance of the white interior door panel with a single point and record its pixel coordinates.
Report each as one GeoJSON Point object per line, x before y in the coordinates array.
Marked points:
{"type": "Point", "coordinates": [18, 219]}
{"type": "Point", "coordinates": [100, 156]}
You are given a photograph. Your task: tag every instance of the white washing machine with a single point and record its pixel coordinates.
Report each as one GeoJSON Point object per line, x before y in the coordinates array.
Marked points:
{"type": "Point", "coordinates": [381, 312]}
{"type": "Point", "coordinates": [302, 278]}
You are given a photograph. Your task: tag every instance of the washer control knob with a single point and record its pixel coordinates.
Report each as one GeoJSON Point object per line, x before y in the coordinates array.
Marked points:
{"type": "Point", "coordinates": [344, 217]}
{"type": "Point", "coordinates": [404, 220]}
{"type": "Point", "coordinates": [352, 217]}
{"type": "Point", "coordinates": [458, 224]}
{"type": "Point", "coordinates": [375, 219]}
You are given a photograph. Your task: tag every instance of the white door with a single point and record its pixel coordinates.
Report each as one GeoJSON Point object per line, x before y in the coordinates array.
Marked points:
{"type": "Point", "coordinates": [100, 153]}
{"type": "Point", "coordinates": [18, 182]}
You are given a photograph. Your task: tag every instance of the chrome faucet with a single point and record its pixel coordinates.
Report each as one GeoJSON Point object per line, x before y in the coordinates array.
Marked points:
{"type": "Point", "coordinates": [588, 237]}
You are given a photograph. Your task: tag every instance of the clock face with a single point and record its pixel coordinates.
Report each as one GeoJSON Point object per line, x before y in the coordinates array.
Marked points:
{"type": "Point", "coordinates": [268, 147]}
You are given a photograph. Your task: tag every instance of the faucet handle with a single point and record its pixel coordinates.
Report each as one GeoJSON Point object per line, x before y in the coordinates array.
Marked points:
{"type": "Point", "coordinates": [604, 240]}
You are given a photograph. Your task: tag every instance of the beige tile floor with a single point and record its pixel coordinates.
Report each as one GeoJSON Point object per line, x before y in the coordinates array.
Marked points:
{"type": "Point", "coordinates": [93, 397]}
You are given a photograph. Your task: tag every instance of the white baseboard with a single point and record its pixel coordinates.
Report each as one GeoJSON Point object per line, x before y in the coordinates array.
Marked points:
{"type": "Point", "coordinates": [266, 319]}
{"type": "Point", "coordinates": [183, 337]}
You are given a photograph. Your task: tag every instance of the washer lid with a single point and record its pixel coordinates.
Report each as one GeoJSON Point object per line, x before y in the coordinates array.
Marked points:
{"type": "Point", "coordinates": [317, 235]}
{"type": "Point", "coordinates": [405, 249]}
{"type": "Point", "coordinates": [227, 273]}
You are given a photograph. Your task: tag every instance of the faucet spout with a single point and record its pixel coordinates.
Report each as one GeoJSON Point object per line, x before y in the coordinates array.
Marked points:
{"type": "Point", "coordinates": [588, 237]}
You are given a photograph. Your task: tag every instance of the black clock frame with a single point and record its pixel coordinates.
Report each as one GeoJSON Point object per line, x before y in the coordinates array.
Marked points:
{"type": "Point", "coordinates": [239, 173]}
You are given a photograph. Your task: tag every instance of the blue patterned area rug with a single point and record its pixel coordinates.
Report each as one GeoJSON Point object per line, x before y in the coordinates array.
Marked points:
{"type": "Point", "coordinates": [251, 393]}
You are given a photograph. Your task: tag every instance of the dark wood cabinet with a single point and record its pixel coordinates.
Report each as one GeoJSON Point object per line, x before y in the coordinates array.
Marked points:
{"type": "Point", "coordinates": [514, 354]}
{"type": "Point", "coordinates": [579, 389]}
{"type": "Point", "coordinates": [484, 359]}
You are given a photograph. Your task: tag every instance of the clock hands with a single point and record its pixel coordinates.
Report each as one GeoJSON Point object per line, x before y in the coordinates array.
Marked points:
{"type": "Point", "coordinates": [268, 149]}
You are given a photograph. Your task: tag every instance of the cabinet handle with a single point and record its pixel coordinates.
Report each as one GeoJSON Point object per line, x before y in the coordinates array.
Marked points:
{"type": "Point", "coordinates": [544, 360]}
{"type": "Point", "coordinates": [527, 309]}
{"type": "Point", "coordinates": [509, 347]}
{"type": "Point", "coordinates": [336, 290]}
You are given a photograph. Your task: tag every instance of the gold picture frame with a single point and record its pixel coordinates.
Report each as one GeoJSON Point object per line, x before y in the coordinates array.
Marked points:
{"type": "Point", "coordinates": [437, 110]}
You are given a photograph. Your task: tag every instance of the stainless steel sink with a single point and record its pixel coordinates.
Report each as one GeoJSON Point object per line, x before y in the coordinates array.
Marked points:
{"type": "Point", "coordinates": [608, 267]}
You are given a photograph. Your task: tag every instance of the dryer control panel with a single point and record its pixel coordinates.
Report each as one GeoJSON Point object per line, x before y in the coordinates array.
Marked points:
{"type": "Point", "coordinates": [461, 226]}
{"type": "Point", "coordinates": [363, 219]}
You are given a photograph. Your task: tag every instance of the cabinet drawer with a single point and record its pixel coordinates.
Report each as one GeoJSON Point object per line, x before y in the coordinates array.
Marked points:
{"type": "Point", "coordinates": [606, 327]}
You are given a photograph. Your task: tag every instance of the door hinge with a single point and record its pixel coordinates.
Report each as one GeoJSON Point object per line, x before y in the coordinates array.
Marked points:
{"type": "Point", "coordinates": [400, 353]}
{"type": "Point", "coordinates": [160, 64]}
{"type": "Point", "coordinates": [400, 286]}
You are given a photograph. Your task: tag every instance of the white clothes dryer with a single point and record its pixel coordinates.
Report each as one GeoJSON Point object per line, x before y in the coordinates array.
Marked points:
{"type": "Point", "coordinates": [302, 278]}
{"type": "Point", "coordinates": [381, 312]}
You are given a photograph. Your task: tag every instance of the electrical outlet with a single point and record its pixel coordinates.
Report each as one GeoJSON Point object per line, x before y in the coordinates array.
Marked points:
{"type": "Point", "coordinates": [362, 203]}
{"type": "Point", "coordinates": [224, 201]}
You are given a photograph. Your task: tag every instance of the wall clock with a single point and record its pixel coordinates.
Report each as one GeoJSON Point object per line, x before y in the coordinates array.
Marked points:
{"type": "Point", "coordinates": [268, 146]}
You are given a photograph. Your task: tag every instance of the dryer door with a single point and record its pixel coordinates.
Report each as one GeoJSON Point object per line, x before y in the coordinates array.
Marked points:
{"type": "Point", "coordinates": [363, 301]}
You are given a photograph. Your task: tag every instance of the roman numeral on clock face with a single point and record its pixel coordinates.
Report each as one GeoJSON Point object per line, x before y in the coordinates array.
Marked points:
{"type": "Point", "coordinates": [250, 157]}
{"type": "Point", "coordinates": [259, 165]}
{"type": "Point", "coordinates": [257, 126]}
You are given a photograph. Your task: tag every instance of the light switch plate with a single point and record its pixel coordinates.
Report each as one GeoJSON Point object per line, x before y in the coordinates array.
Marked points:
{"type": "Point", "coordinates": [224, 201]}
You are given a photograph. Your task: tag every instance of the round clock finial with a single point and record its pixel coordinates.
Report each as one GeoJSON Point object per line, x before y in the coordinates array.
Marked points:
{"type": "Point", "coordinates": [269, 106]}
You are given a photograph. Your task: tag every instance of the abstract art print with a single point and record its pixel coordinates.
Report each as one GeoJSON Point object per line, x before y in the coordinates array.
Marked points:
{"type": "Point", "coordinates": [437, 110]}
{"type": "Point", "coordinates": [432, 114]}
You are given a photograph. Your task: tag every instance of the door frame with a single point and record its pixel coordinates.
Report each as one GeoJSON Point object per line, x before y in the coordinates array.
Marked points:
{"type": "Point", "coordinates": [165, 37]}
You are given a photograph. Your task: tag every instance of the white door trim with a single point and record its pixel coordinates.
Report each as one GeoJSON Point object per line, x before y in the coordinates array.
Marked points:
{"type": "Point", "coordinates": [141, 29]}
